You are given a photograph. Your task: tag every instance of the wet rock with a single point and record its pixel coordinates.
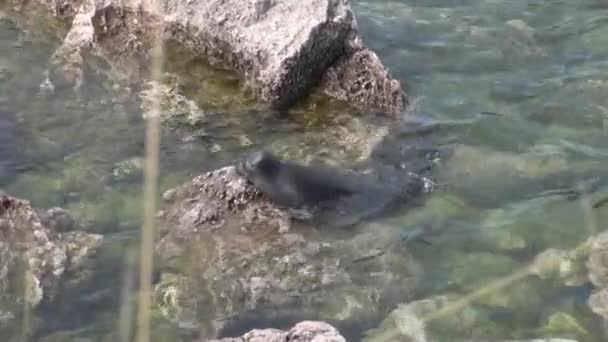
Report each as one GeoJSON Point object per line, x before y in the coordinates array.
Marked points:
{"type": "Point", "coordinates": [438, 209]}
{"type": "Point", "coordinates": [67, 61]}
{"type": "Point", "coordinates": [175, 108]}
{"type": "Point", "coordinates": [128, 169]}
{"type": "Point", "coordinates": [597, 264]}
{"type": "Point", "coordinates": [113, 33]}
{"type": "Point", "coordinates": [470, 168]}
{"type": "Point", "coordinates": [227, 248]}
{"type": "Point", "coordinates": [550, 339]}
{"type": "Point", "coordinates": [563, 324]}
{"type": "Point", "coordinates": [38, 253]}
{"type": "Point", "coordinates": [565, 266]}
{"type": "Point", "coordinates": [307, 331]}
{"type": "Point", "coordinates": [405, 323]}
{"type": "Point", "coordinates": [361, 79]}
{"type": "Point", "coordinates": [418, 321]}
{"type": "Point", "coordinates": [59, 220]}
{"type": "Point", "coordinates": [537, 224]}
{"type": "Point", "coordinates": [319, 43]}
{"type": "Point", "coordinates": [282, 66]}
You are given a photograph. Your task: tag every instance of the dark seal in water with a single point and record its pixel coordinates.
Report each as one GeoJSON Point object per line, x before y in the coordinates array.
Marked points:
{"type": "Point", "coordinates": [334, 197]}
{"type": "Point", "coordinates": [293, 185]}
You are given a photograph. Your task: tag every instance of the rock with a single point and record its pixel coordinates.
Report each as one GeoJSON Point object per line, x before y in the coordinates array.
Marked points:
{"type": "Point", "coordinates": [360, 78]}
{"type": "Point", "coordinates": [226, 248]}
{"type": "Point", "coordinates": [306, 331]}
{"type": "Point", "coordinates": [128, 169]}
{"type": "Point", "coordinates": [598, 260]}
{"type": "Point", "coordinates": [278, 66]}
{"type": "Point", "coordinates": [406, 322]}
{"type": "Point", "coordinates": [175, 108]}
{"type": "Point", "coordinates": [281, 67]}
{"type": "Point", "coordinates": [565, 266]}
{"type": "Point", "coordinates": [282, 49]}
{"type": "Point", "coordinates": [68, 58]}
{"type": "Point", "coordinates": [59, 220]}
{"type": "Point", "coordinates": [543, 340]}
{"type": "Point", "coordinates": [416, 321]}
{"type": "Point", "coordinates": [36, 247]}
{"type": "Point", "coordinates": [564, 324]}
{"type": "Point", "coordinates": [521, 173]}
{"type": "Point", "coordinates": [598, 302]}
{"type": "Point", "coordinates": [597, 264]}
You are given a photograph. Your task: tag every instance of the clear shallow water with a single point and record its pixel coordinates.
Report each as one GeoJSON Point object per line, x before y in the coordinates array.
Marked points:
{"type": "Point", "coordinates": [542, 65]}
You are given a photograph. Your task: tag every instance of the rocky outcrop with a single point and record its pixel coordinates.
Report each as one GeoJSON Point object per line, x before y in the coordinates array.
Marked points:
{"type": "Point", "coordinates": [281, 48]}
{"type": "Point", "coordinates": [40, 252]}
{"type": "Point", "coordinates": [307, 331]}
{"type": "Point", "coordinates": [227, 253]}
{"type": "Point", "coordinates": [285, 47]}
{"type": "Point", "coordinates": [360, 78]}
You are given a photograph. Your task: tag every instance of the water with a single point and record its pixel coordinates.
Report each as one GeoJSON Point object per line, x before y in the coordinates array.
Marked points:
{"type": "Point", "coordinates": [543, 66]}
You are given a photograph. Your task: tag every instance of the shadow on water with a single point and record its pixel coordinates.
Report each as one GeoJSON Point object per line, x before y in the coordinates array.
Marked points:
{"type": "Point", "coordinates": [12, 148]}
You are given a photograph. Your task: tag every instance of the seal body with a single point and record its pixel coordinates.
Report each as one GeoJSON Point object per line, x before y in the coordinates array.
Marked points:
{"type": "Point", "coordinates": [291, 184]}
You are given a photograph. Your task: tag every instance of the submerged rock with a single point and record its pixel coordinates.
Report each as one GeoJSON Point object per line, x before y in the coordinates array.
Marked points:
{"type": "Point", "coordinates": [567, 267]}
{"type": "Point", "coordinates": [420, 320]}
{"type": "Point", "coordinates": [175, 108]}
{"type": "Point", "coordinates": [564, 324]}
{"type": "Point", "coordinates": [307, 331]}
{"type": "Point", "coordinates": [282, 49]}
{"type": "Point", "coordinates": [228, 252]}
{"type": "Point", "coordinates": [550, 339]}
{"type": "Point", "coordinates": [40, 253]}
{"type": "Point", "coordinates": [406, 322]}
{"type": "Point", "coordinates": [597, 265]}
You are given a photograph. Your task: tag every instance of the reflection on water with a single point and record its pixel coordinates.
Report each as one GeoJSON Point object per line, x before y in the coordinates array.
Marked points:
{"type": "Point", "coordinates": [506, 186]}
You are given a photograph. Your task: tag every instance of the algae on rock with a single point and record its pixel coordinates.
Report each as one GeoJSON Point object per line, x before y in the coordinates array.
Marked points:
{"type": "Point", "coordinates": [41, 254]}
{"type": "Point", "coordinates": [226, 250]}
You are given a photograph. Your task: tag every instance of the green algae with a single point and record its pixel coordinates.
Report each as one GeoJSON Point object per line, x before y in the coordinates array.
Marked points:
{"type": "Point", "coordinates": [108, 211]}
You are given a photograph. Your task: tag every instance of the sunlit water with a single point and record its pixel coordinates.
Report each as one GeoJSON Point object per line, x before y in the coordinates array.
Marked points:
{"type": "Point", "coordinates": [542, 66]}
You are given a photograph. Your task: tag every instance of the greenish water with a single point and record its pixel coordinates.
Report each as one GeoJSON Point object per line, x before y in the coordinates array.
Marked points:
{"type": "Point", "coordinates": [542, 65]}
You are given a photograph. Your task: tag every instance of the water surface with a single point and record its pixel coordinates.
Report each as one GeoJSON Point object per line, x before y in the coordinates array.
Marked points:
{"type": "Point", "coordinates": [542, 66]}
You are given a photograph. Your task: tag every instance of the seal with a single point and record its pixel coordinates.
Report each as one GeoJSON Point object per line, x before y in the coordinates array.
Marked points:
{"type": "Point", "coordinates": [291, 184]}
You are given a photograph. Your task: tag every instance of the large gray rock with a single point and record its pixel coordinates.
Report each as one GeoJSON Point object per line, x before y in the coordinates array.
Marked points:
{"type": "Point", "coordinates": [306, 331]}
{"type": "Point", "coordinates": [597, 265]}
{"type": "Point", "coordinates": [282, 48]}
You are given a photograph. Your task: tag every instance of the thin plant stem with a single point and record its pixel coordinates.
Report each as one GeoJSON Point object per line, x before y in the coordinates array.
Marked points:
{"type": "Point", "coordinates": [151, 170]}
